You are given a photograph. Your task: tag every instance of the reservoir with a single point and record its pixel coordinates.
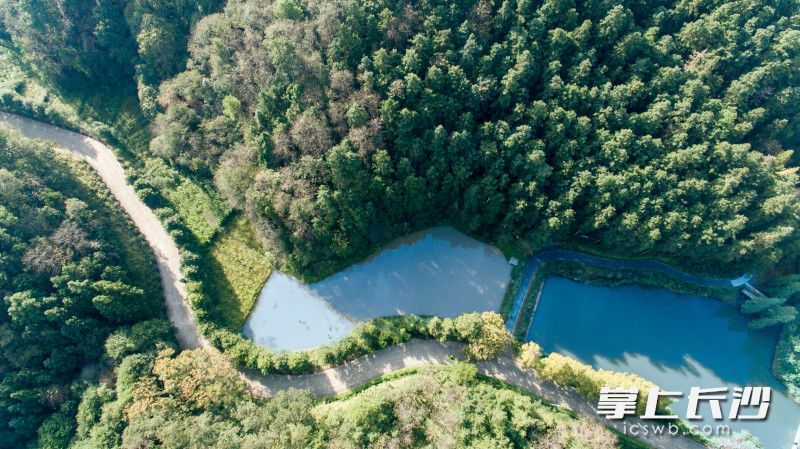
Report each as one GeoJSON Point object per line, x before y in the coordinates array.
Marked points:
{"type": "Point", "coordinates": [439, 272]}
{"type": "Point", "coordinates": [676, 341]}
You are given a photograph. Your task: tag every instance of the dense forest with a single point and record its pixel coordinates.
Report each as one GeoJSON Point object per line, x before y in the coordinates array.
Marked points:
{"type": "Point", "coordinates": [89, 362]}
{"type": "Point", "coordinates": [86, 44]}
{"type": "Point", "coordinates": [658, 128]}
{"type": "Point", "coordinates": [73, 271]}
{"type": "Point", "coordinates": [655, 128]}
{"type": "Point", "coordinates": [650, 127]}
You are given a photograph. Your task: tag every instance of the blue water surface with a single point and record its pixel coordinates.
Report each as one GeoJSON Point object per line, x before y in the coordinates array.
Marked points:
{"type": "Point", "coordinates": [677, 341]}
{"type": "Point", "coordinates": [439, 271]}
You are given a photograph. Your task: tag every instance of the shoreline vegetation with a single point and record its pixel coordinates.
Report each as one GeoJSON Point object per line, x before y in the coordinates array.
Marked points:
{"type": "Point", "coordinates": [174, 223]}
{"type": "Point", "coordinates": [484, 334]}
{"type": "Point", "coordinates": [382, 332]}
{"type": "Point", "coordinates": [784, 360]}
{"type": "Point", "coordinates": [231, 345]}
{"type": "Point", "coordinates": [55, 112]}
{"type": "Point", "coordinates": [305, 135]}
{"type": "Point", "coordinates": [591, 274]}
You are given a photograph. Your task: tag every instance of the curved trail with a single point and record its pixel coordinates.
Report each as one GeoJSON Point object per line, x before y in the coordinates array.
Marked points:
{"type": "Point", "coordinates": [105, 163]}
{"type": "Point", "coordinates": [333, 380]}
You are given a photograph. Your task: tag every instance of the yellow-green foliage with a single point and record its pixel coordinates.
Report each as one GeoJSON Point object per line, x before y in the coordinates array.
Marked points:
{"type": "Point", "coordinates": [492, 340]}
{"type": "Point", "coordinates": [530, 353]}
{"type": "Point", "coordinates": [238, 268]}
{"type": "Point", "coordinates": [583, 378]}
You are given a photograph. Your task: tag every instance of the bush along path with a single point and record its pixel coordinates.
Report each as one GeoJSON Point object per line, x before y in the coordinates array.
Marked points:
{"type": "Point", "coordinates": [338, 379]}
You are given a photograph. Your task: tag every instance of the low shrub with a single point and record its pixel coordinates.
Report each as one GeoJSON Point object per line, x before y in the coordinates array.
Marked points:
{"type": "Point", "coordinates": [484, 334]}
{"type": "Point", "coordinates": [491, 340]}
{"type": "Point", "coordinates": [586, 380]}
{"type": "Point", "coordinates": [530, 353]}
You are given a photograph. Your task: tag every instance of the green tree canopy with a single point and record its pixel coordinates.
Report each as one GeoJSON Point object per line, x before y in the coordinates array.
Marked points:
{"type": "Point", "coordinates": [647, 128]}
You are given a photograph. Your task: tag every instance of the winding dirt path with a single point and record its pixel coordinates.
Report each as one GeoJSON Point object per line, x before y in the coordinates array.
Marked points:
{"type": "Point", "coordinates": [415, 353]}
{"type": "Point", "coordinates": [105, 163]}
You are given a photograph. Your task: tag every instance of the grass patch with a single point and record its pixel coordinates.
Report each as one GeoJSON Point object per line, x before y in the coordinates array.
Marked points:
{"type": "Point", "coordinates": [389, 377]}
{"type": "Point", "coordinates": [238, 266]}
{"type": "Point", "coordinates": [119, 110]}
{"type": "Point", "coordinates": [529, 303]}
{"type": "Point", "coordinates": [201, 209]}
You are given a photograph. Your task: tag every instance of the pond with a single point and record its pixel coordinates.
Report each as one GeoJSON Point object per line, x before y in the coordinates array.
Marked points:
{"type": "Point", "coordinates": [676, 341]}
{"type": "Point", "coordinates": [439, 272]}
